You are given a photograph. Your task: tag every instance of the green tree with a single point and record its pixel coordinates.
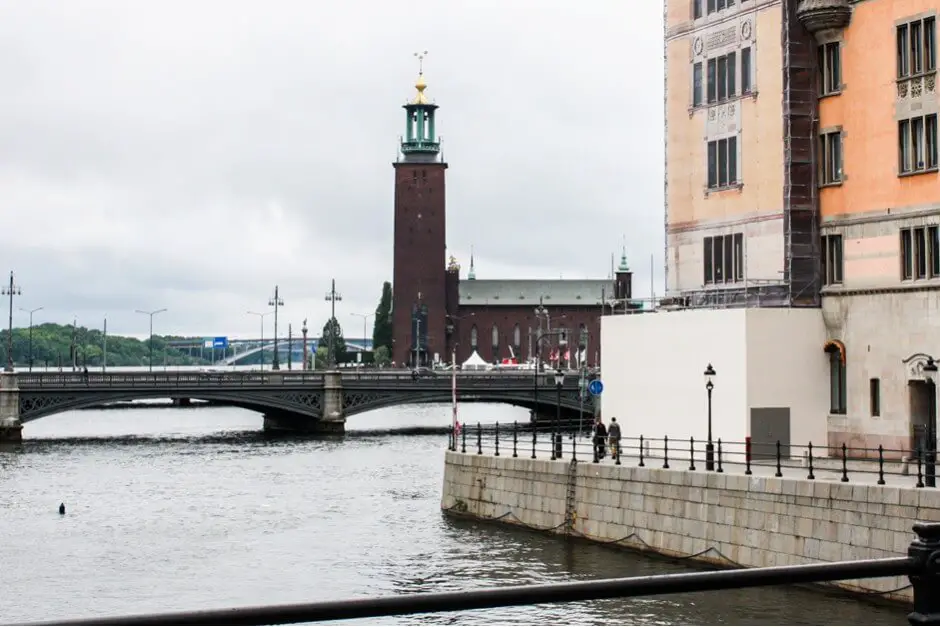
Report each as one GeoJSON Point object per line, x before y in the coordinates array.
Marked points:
{"type": "Point", "coordinates": [382, 356]}
{"type": "Point", "coordinates": [321, 356]}
{"type": "Point", "coordinates": [333, 327]}
{"type": "Point", "coordinates": [382, 331]}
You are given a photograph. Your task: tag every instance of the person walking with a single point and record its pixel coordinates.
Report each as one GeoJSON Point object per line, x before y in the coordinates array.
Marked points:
{"type": "Point", "coordinates": [600, 439]}
{"type": "Point", "coordinates": [613, 435]}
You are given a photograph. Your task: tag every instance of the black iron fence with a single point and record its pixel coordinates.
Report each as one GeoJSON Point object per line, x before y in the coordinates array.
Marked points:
{"type": "Point", "coordinates": [844, 463]}
{"type": "Point", "coordinates": [922, 566]}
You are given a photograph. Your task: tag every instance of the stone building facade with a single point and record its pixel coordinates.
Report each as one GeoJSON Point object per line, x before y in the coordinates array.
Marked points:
{"type": "Point", "coordinates": [437, 315]}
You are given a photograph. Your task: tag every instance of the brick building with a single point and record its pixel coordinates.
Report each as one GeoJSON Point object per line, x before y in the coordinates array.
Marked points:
{"type": "Point", "coordinates": [436, 313]}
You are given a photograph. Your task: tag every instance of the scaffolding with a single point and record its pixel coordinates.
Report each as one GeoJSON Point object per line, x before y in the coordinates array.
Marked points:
{"type": "Point", "coordinates": [800, 198]}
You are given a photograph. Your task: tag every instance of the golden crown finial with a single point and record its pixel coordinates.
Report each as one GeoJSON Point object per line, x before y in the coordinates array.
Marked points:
{"type": "Point", "coordinates": [420, 85]}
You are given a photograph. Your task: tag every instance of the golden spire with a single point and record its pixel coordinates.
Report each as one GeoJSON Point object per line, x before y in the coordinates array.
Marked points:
{"type": "Point", "coordinates": [420, 85]}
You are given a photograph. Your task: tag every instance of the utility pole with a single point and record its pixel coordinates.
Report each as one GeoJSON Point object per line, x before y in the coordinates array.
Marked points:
{"type": "Point", "coordinates": [11, 291]}
{"type": "Point", "coordinates": [333, 296]}
{"type": "Point", "coordinates": [151, 314]}
{"type": "Point", "coordinates": [275, 302]}
{"type": "Point", "coordinates": [290, 347]}
{"type": "Point", "coordinates": [31, 312]}
{"type": "Point", "coordinates": [73, 349]}
{"type": "Point", "coordinates": [304, 331]}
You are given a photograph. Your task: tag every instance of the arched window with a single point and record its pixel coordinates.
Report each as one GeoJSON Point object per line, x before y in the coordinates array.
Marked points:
{"type": "Point", "coordinates": [495, 336]}
{"type": "Point", "coordinates": [473, 337]}
{"type": "Point", "coordinates": [517, 336]}
{"type": "Point", "coordinates": [837, 376]}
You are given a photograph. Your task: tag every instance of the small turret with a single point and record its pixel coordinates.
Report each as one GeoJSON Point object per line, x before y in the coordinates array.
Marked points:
{"type": "Point", "coordinates": [471, 275]}
{"type": "Point", "coordinates": [623, 278]}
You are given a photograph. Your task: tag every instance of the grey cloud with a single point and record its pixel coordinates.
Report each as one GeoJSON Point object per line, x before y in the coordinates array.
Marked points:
{"type": "Point", "coordinates": [192, 155]}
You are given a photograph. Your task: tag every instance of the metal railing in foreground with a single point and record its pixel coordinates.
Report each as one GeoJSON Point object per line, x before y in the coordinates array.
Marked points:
{"type": "Point", "coordinates": [922, 566]}
{"type": "Point", "coordinates": [880, 466]}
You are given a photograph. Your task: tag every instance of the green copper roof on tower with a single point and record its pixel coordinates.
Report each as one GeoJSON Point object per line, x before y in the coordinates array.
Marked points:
{"type": "Point", "coordinates": [623, 267]}
{"type": "Point", "coordinates": [420, 142]}
{"type": "Point", "coordinates": [471, 275]}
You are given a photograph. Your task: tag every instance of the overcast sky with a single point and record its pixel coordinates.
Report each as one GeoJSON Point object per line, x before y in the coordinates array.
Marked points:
{"type": "Point", "coordinates": [192, 154]}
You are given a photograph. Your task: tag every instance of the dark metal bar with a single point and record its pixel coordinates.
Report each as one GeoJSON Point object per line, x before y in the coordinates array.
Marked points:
{"type": "Point", "coordinates": [463, 438]}
{"type": "Point", "coordinates": [881, 465]}
{"type": "Point", "coordinates": [691, 453]}
{"type": "Point", "coordinates": [779, 472]}
{"type": "Point", "coordinates": [479, 439]}
{"type": "Point", "coordinates": [525, 595]}
{"type": "Point", "coordinates": [666, 451]}
{"type": "Point", "coordinates": [720, 469]}
{"type": "Point", "coordinates": [811, 476]}
{"type": "Point", "coordinates": [845, 467]}
{"type": "Point", "coordinates": [641, 464]}
{"type": "Point", "coordinates": [515, 438]}
{"type": "Point", "coordinates": [496, 453]}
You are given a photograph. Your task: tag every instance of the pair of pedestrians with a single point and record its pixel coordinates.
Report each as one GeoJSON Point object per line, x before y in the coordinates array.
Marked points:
{"type": "Point", "coordinates": [603, 436]}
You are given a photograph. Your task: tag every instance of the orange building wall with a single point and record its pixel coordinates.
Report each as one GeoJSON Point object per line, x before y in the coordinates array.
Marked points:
{"type": "Point", "coordinates": [865, 110]}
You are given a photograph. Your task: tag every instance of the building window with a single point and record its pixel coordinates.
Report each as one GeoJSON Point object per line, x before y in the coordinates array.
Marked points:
{"type": "Point", "coordinates": [721, 77]}
{"type": "Point", "coordinates": [830, 162]}
{"type": "Point", "coordinates": [724, 258]}
{"type": "Point", "coordinates": [874, 396]}
{"type": "Point", "coordinates": [832, 261]}
{"type": "Point", "coordinates": [697, 84]}
{"type": "Point", "coordinates": [917, 47]}
{"type": "Point", "coordinates": [745, 70]}
{"type": "Point", "coordinates": [837, 378]}
{"type": "Point", "coordinates": [920, 253]}
{"type": "Point", "coordinates": [917, 144]}
{"type": "Point", "coordinates": [722, 162]}
{"type": "Point", "coordinates": [473, 337]}
{"type": "Point", "coordinates": [713, 6]}
{"type": "Point", "coordinates": [697, 9]}
{"type": "Point", "coordinates": [830, 68]}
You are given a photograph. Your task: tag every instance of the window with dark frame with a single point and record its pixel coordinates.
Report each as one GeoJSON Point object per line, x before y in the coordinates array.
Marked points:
{"type": "Point", "coordinates": [723, 257]}
{"type": "Point", "coordinates": [917, 144]}
{"type": "Point", "coordinates": [832, 259]}
{"type": "Point", "coordinates": [697, 84]}
{"type": "Point", "coordinates": [916, 48]}
{"type": "Point", "coordinates": [830, 162]}
{"type": "Point", "coordinates": [837, 381]}
{"type": "Point", "coordinates": [721, 77]}
{"type": "Point", "coordinates": [696, 9]}
{"type": "Point", "coordinates": [830, 68]}
{"type": "Point", "coordinates": [722, 162]}
{"type": "Point", "coordinates": [745, 70]}
{"type": "Point", "coordinates": [920, 253]}
{"type": "Point", "coordinates": [874, 396]}
{"type": "Point", "coordinates": [712, 6]}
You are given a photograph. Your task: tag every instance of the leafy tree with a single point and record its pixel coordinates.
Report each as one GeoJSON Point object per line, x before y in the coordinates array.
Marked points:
{"type": "Point", "coordinates": [382, 331]}
{"type": "Point", "coordinates": [333, 327]}
{"type": "Point", "coordinates": [382, 356]}
{"type": "Point", "coordinates": [321, 356]}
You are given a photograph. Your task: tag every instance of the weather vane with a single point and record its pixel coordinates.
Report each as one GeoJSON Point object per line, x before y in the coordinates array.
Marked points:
{"type": "Point", "coordinates": [420, 56]}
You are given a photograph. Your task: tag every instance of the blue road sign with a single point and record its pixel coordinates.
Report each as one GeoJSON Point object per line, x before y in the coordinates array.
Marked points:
{"type": "Point", "coordinates": [595, 387]}
{"type": "Point", "coordinates": [220, 342]}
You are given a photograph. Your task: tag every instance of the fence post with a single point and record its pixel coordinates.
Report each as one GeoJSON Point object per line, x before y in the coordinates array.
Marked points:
{"type": "Point", "coordinates": [719, 469]}
{"type": "Point", "coordinates": [881, 465]}
{"type": "Point", "coordinates": [665, 451]}
{"type": "Point", "coordinates": [463, 437]}
{"type": "Point", "coordinates": [535, 432]}
{"type": "Point", "coordinates": [810, 476]}
{"type": "Point", "coordinates": [779, 472]}
{"type": "Point", "coordinates": [479, 439]}
{"type": "Point", "coordinates": [920, 474]}
{"type": "Point", "coordinates": [925, 578]}
{"type": "Point", "coordinates": [641, 464]}
{"type": "Point", "coordinates": [515, 437]}
{"type": "Point", "coordinates": [747, 455]}
{"type": "Point", "coordinates": [691, 453]}
{"type": "Point", "coordinates": [845, 461]}
{"type": "Point", "coordinates": [496, 454]}
{"type": "Point", "coordinates": [594, 448]}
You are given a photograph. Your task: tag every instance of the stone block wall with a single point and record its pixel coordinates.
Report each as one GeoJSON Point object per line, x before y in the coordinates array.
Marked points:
{"type": "Point", "coordinates": [721, 518]}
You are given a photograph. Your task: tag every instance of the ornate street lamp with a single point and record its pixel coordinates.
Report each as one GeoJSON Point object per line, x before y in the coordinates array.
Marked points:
{"type": "Point", "coordinates": [709, 447]}
{"type": "Point", "coordinates": [556, 438]}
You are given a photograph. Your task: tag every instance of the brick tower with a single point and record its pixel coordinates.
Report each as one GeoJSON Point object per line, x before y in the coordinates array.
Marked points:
{"type": "Point", "coordinates": [419, 276]}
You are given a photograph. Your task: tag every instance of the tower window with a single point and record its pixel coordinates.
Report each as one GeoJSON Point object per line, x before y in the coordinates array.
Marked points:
{"type": "Point", "coordinates": [473, 337]}
{"type": "Point", "coordinates": [697, 84]}
{"type": "Point", "coordinates": [917, 144]}
{"type": "Point", "coordinates": [920, 253]}
{"type": "Point", "coordinates": [830, 68]}
{"type": "Point", "coordinates": [917, 47]}
{"type": "Point", "coordinates": [832, 260]}
{"type": "Point", "coordinates": [722, 162]}
{"type": "Point", "coordinates": [745, 70]}
{"type": "Point", "coordinates": [721, 77]}
{"type": "Point", "coordinates": [723, 258]}
{"type": "Point", "coordinates": [830, 163]}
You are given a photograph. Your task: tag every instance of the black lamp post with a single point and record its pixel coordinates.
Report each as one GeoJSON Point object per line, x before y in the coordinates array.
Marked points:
{"type": "Point", "coordinates": [709, 447]}
{"type": "Point", "coordinates": [930, 458]}
{"type": "Point", "coordinates": [31, 312]}
{"type": "Point", "coordinates": [275, 301]}
{"type": "Point", "coordinates": [556, 439]}
{"type": "Point", "coordinates": [146, 313]}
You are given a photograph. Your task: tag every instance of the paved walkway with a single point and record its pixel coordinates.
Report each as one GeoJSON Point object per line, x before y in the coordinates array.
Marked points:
{"type": "Point", "coordinates": [679, 460]}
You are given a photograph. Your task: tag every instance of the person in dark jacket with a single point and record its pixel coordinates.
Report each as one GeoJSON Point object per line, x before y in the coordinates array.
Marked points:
{"type": "Point", "coordinates": [614, 435]}
{"type": "Point", "coordinates": [600, 438]}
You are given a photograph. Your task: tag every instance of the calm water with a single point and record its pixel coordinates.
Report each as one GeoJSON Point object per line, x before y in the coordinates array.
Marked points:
{"type": "Point", "coordinates": [173, 509]}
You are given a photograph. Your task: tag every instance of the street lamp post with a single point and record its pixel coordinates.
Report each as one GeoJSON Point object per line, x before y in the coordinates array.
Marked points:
{"type": "Point", "coordinates": [559, 382]}
{"type": "Point", "coordinates": [151, 314]}
{"type": "Point", "coordinates": [290, 347]}
{"type": "Point", "coordinates": [332, 296]}
{"type": "Point", "coordinates": [709, 447]}
{"type": "Point", "coordinates": [275, 302]}
{"type": "Point", "coordinates": [261, 318]}
{"type": "Point", "coordinates": [535, 380]}
{"type": "Point", "coordinates": [11, 290]}
{"type": "Point", "coordinates": [365, 318]}
{"type": "Point", "coordinates": [31, 312]}
{"type": "Point", "coordinates": [930, 458]}
{"type": "Point", "coordinates": [304, 330]}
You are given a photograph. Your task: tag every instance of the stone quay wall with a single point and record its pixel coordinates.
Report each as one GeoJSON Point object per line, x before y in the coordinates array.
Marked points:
{"type": "Point", "coordinates": [725, 519]}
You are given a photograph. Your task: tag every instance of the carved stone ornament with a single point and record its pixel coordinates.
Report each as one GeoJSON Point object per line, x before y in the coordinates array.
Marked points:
{"type": "Point", "coordinates": [698, 46]}
{"type": "Point", "coordinates": [914, 366]}
{"type": "Point", "coordinates": [746, 30]}
{"type": "Point", "coordinates": [823, 17]}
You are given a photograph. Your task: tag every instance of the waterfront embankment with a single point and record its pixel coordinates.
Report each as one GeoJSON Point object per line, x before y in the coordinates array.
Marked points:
{"type": "Point", "coordinates": [722, 518]}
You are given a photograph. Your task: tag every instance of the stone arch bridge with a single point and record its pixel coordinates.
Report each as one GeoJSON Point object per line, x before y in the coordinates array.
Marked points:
{"type": "Point", "coordinates": [298, 401]}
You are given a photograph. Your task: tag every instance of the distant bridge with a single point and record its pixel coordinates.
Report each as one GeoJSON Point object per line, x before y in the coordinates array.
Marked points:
{"type": "Point", "coordinates": [244, 348]}
{"type": "Point", "coordinates": [292, 400]}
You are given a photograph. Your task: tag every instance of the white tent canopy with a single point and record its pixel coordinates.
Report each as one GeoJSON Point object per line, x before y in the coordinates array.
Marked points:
{"type": "Point", "coordinates": [474, 362]}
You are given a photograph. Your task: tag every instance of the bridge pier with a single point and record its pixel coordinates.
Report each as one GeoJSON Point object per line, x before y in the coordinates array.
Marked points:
{"type": "Point", "coordinates": [332, 420]}
{"type": "Point", "coordinates": [11, 429]}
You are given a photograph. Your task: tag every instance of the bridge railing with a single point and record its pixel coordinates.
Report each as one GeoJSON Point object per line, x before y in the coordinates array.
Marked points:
{"type": "Point", "coordinates": [921, 566]}
{"type": "Point", "coordinates": [57, 380]}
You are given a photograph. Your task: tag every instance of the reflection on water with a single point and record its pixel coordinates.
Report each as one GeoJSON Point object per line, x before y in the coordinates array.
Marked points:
{"type": "Point", "coordinates": [193, 508]}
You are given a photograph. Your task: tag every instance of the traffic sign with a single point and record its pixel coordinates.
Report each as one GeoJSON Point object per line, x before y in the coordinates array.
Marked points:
{"type": "Point", "coordinates": [220, 342]}
{"type": "Point", "coordinates": [595, 387]}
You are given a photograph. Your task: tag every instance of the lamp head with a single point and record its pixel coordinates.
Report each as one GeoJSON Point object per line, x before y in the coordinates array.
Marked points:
{"type": "Point", "coordinates": [559, 377]}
